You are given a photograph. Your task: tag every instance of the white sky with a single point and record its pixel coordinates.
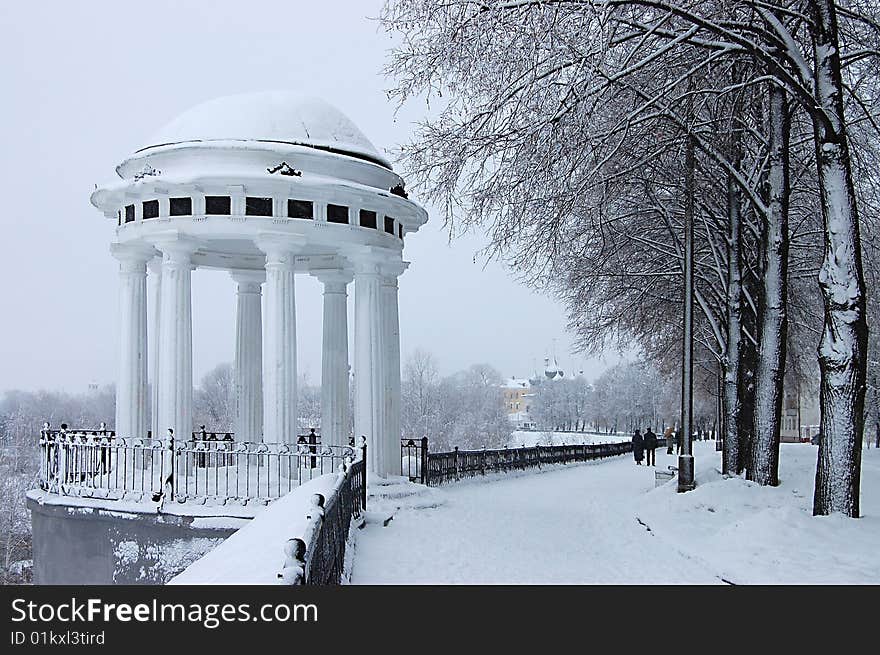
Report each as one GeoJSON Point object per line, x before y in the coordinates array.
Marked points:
{"type": "Point", "coordinates": [85, 83]}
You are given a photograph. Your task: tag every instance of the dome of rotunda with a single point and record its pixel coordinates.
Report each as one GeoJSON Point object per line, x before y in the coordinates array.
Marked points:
{"type": "Point", "coordinates": [269, 117]}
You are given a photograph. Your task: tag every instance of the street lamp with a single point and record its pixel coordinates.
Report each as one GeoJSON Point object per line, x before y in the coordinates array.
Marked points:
{"type": "Point", "coordinates": [686, 457]}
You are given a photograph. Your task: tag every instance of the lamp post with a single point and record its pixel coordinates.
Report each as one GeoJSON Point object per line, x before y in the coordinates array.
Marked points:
{"type": "Point", "coordinates": [876, 405]}
{"type": "Point", "coordinates": [686, 457]}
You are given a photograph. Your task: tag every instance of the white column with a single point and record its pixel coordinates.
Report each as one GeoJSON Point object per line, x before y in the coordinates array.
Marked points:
{"type": "Point", "coordinates": [249, 355]}
{"type": "Point", "coordinates": [392, 373]}
{"type": "Point", "coordinates": [131, 382]}
{"type": "Point", "coordinates": [155, 267]}
{"type": "Point", "coordinates": [369, 365]}
{"type": "Point", "coordinates": [175, 338]}
{"type": "Point", "coordinates": [279, 369]}
{"type": "Point", "coordinates": [334, 357]}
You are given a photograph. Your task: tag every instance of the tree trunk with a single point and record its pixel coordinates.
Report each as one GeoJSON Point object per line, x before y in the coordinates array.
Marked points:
{"type": "Point", "coordinates": [772, 320]}
{"type": "Point", "coordinates": [748, 355]}
{"type": "Point", "coordinates": [730, 363]}
{"type": "Point", "coordinates": [843, 346]}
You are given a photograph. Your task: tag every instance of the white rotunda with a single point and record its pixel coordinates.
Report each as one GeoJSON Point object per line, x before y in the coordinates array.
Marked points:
{"type": "Point", "coordinates": [265, 186]}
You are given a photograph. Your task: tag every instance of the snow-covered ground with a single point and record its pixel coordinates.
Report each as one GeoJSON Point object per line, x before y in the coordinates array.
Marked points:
{"type": "Point", "coordinates": [752, 535]}
{"type": "Point", "coordinates": [605, 522]}
{"type": "Point", "coordinates": [529, 438]}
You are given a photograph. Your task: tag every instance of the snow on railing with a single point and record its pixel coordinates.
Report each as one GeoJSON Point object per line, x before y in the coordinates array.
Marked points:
{"type": "Point", "coordinates": [99, 464]}
{"type": "Point", "coordinates": [318, 556]}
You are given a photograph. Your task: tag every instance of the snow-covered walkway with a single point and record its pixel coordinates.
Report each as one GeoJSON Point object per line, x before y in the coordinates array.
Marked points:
{"type": "Point", "coordinates": [572, 524]}
{"type": "Point", "coordinates": [604, 522]}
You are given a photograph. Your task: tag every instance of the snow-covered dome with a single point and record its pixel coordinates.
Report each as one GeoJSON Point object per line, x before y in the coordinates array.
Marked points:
{"type": "Point", "coordinates": [270, 116]}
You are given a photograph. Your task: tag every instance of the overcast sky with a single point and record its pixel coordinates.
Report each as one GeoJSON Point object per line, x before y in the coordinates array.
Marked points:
{"type": "Point", "coordinates": [86, 83]}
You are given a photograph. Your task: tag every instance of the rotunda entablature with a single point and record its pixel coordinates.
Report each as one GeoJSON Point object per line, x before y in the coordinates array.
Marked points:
{"type": "Point", "coordinates": [253, 157]}
{"type": "Point", "coordinates": [229, 170]}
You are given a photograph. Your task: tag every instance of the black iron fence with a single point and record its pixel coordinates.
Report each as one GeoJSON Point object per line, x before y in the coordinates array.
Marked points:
{"type": "Point", "coordinates": [325, 555]}
{"type": "Point", "coordinates": [99, 464]}
{"type": "Point", "coordinates": [318, 558]}
{"type": "Point", "coordinates": [433, 469]}
{"type": "Point", "coordinates": [414, 459]}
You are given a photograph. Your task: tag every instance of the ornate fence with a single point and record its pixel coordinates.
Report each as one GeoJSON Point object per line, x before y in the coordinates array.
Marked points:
{"type": "Point", "coordinates": [325, 555]}
{"type": "Point", "coordinates": [318, 558]}
{"type": "Point", "coordinates": [440, 468]}
{"type": "Point", "coordinates": [413, 459]}
{"type": "Point", "coordinates": [99, 464]}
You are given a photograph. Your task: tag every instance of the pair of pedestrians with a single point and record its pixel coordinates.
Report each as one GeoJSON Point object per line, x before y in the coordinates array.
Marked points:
{"type": "Point", "coordinates": [645, 445]}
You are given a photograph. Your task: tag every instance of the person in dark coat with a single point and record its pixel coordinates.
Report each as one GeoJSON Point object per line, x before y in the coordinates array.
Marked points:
{"type": "Point", "coordinates": [678, 441]}
{"type": "Point", "coordinates": [650, 447]}
{"type": "Point", "coordinates": [638, 447]}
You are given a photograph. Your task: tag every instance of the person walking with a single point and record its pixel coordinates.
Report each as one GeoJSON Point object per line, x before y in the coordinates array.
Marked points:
{"type": "Point", "coordinates": [638, 447]}
{"type": "Point", "coordinates": [650, 447]}
{"type": "Point", "coordinates": [678, 441]}
{"type": "Point", "coordinates": [669, 435]}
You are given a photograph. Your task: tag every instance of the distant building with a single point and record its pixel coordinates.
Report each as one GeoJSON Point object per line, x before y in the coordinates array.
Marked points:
{"type": "Point", "coordinates": [552, 372]}
{"type": "Point", "coordinates": [517, 397]}
{"type": "Point", "coordinates": [800, 414]}
{"type": "Point", "coordinates": [516, 393]}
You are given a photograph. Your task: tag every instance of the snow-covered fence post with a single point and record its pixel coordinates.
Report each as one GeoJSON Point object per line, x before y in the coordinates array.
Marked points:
{"type": "Point", "coordinates": [424, 462]}
{"type": "Point", "coordinates": [364, 459]}
{"type": "Point", "coordinates": [315, 515]}
{"type": "Point", "coordinates": [314, 521]}
{"type": "Point", "coordinates": [455, 462]}
{"type": "Point", "coordinates": [201, 457]}
{"type": "Point", "coordinates": [483, 461]}
{"type": "Point", "coordinates": [293, 570]}
{"type": "Point", "coordinates": [52, 457]}
{"type": "Point", "coordinates": [63, 452]}
{"type": "Point", "coordinates": [166, 472]}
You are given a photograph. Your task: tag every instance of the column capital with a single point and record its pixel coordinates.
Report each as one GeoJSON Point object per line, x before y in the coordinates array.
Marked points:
{"type": "Point", "coordinates": [280, 248]}
{"type": "Point", "coordinates": [248, 281]}
{"type": "Point", "coordinates": [132, 254]}
{"type": "Point", "coordinates": [393, 270]}
{"type": "Point", "coordinates": [154, 265]}
{"type": "Point", "coordinates": [175, 246]}
{"type": "Point", "coordinates": [368, 260]}
{"type": "Point", "coordinates": [333, 279]}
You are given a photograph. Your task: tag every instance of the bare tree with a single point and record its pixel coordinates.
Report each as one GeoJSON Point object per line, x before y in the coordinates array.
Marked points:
{"type": "Point", "coordinates": [550, 104]}
{"type": "Point", "coordinates": [420, 407]}
{"type": "Point", "coordinates": [22, 414]}
{"type": "Point", "coordinates": [214, 400]}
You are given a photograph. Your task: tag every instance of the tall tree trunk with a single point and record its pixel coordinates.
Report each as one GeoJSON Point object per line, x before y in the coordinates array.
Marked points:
{"type": "Point", "coordinates": [748, 356]}
{"type": "Point", "coordinates": [772, 321]}
{"type": "Point", "coordinates": [730, 363]}
{"type": "Point", "coordinates": [843, 346]}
